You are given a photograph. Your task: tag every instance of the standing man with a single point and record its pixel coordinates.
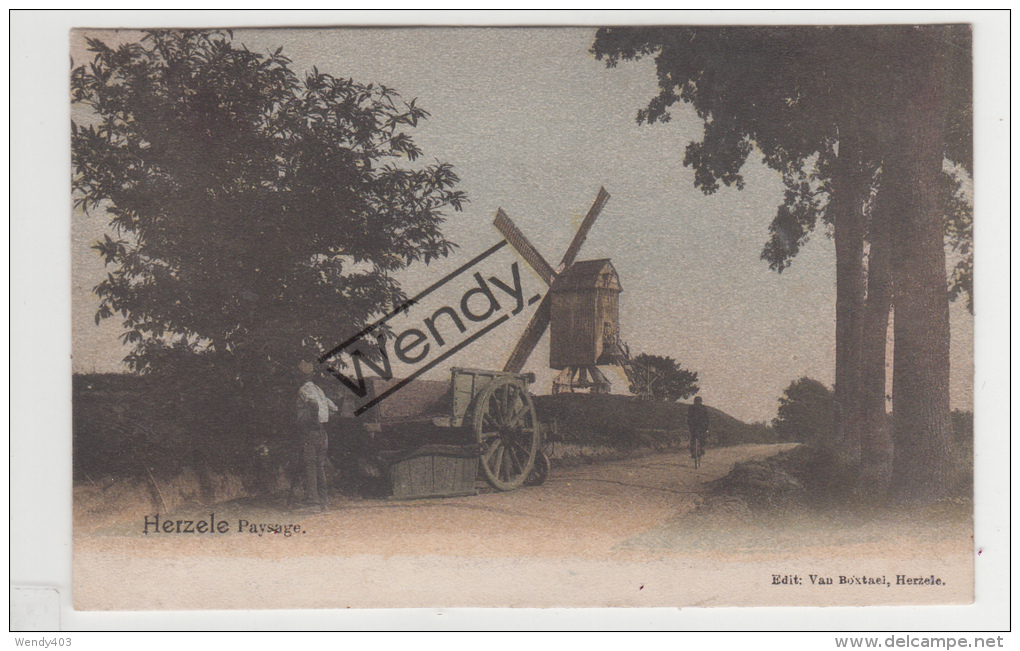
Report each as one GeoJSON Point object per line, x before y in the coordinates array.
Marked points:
{"type": "Point", "coordinates": [697, 423]}
{"type": "Point", "coordinates": [313, 412]}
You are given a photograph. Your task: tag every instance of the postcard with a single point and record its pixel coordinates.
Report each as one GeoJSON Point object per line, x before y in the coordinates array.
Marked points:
{"type": "Point", "coordinates": [522, 317]}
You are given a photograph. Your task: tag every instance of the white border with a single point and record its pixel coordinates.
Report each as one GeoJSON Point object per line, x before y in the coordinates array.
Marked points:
{"type": "Point", "coordinates": [40, 337]}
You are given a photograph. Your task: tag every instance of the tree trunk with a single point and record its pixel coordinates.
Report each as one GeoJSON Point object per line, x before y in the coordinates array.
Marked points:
{"type": "Point", "coordinates": [876, 439]}
{"type": "Point", "coordinates": [848, 193]}
{"type": "Point", "coordinates": [922, 431]}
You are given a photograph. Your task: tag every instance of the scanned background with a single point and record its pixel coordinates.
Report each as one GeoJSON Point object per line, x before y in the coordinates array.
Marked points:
{"type": "Point", "coordinates": [42, 535]}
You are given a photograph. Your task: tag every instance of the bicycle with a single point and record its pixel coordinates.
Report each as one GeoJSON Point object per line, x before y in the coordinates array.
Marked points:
{"type": "Point", "coordinates": [698, 450]}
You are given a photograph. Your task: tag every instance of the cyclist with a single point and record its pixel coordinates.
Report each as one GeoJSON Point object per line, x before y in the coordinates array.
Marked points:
{"type": "Point", "coordinates": [697, 425]}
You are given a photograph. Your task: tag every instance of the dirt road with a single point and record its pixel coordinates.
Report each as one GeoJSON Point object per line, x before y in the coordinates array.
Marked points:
{"type": "Point", "coordinates": [580, 511]}
{"type": "Point", "coordinates": [570, 542]}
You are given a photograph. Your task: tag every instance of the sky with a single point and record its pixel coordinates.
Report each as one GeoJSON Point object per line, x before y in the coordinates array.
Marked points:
{"type": "Point", "coordinates": [534, 125]}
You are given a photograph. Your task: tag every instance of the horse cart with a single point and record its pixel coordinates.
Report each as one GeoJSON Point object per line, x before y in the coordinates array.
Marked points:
{"type": "Point", "coordinates": [430, 437]}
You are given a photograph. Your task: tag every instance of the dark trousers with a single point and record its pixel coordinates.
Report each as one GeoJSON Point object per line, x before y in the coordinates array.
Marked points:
{"type": "Point", "coordinates": [314, 444]}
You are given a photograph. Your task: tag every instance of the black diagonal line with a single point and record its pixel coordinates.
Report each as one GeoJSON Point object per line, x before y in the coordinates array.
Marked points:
{"type": "Point", "coordinates": [400, 385]}
{"type": "Point", "coordinates": [408, 303]}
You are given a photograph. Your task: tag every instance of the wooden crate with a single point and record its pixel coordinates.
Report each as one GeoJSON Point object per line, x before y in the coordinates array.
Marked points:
{"type": "Point", "coordinates": [435, 471]}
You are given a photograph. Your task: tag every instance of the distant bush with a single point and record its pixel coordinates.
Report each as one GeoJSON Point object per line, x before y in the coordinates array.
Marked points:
{"type": "Point", "coordinates": [629, 421]}
{"type": "Point", "coordinates": [805, 412]}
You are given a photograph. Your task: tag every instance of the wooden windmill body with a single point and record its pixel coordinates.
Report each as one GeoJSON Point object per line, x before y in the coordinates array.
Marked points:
{"type": "Point", "coordinates": [584, 325]}
{"type": "Point", "coordinates": [582, 306]}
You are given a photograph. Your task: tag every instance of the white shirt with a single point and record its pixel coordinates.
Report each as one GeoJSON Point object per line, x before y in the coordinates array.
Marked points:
{"type": "Point", "coordinates": [311, 392]}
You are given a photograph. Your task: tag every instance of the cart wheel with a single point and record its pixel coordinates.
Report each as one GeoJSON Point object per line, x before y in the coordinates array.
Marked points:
{"type": "Point", "coordinates": [541, 471]}
{"type": "Point", "coordinates": [505, 422]}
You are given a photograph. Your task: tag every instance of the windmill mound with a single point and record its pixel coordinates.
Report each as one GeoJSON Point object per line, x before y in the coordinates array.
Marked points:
{"type": "Point", "coordinates": [628, 422]}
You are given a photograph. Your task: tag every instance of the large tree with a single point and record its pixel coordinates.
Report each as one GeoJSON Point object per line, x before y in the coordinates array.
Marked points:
{"type": "Point", "coordinates": [256, 216]}
{"type": "Point", "coordinates": [922, 435]}
{"type": "Point", "coordinates": [824, 106]}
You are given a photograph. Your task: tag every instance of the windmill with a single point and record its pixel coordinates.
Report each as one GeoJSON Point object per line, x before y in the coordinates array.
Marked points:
{"type": "Point", "coordinates": [581, 305]}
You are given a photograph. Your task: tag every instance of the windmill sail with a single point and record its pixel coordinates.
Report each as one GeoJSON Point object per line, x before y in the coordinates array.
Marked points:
{"type": "Point", "coordinates": [517, 240]}
{"type": "Point", "coordinates": [540, 320]}
{"type": "Point", "coordinates": [582, 232]}
{"type": "Point", "coordinates": [536, 328]}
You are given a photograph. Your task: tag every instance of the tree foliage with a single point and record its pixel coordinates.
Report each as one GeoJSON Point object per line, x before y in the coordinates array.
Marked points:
{"type": "Point", "coordinates": [256, 216]}
{"type": "Point", "coordinates": [843, 113]}
{"type": "Point", "coordinates": [662, 378]}
{"type": "Point", "coordinates": [792, 94]}
{"type": "Point", "coordinates": [805, 412]}
{"type": "Point", "coordinates": [960, 237]}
